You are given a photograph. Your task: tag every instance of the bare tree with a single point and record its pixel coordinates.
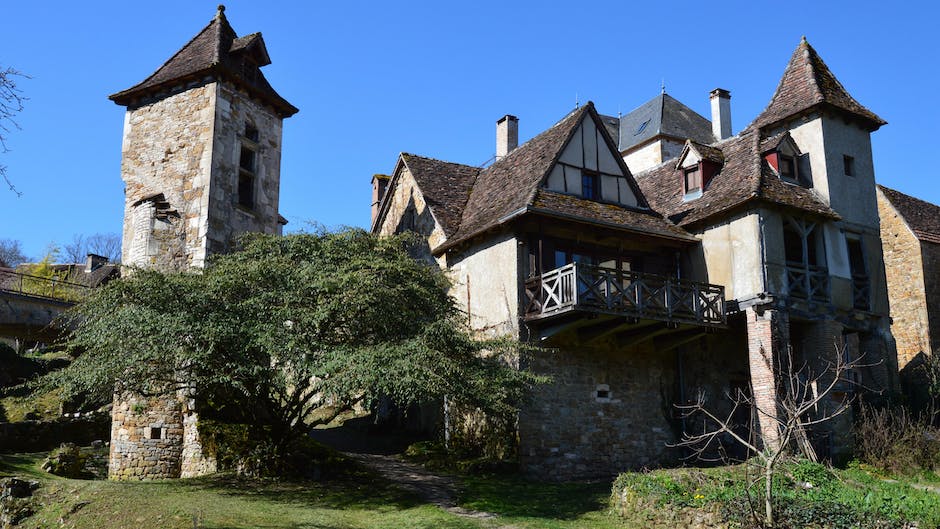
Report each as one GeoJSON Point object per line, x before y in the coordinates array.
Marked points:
{"type": "Point", "coordinates": [11, 253]}
{"type": "Point", "coordinates": [11, 103]}
{"type": "Point", "coordinates": [104, 244]}
{"type": "Point", "coordinates": [803, 400]}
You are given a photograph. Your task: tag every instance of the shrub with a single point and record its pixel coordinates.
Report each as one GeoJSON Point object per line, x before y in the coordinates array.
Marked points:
{"type": "Point", "coordinates": [894, 440]}
{"type": "Point", "coordinates": [66, 461]}
{"type": "Point", "coordinates": [251, 451]}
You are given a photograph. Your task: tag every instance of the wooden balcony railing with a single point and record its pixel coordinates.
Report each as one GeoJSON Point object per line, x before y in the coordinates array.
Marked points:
{"type": "Point", "coordinates": [861, 292]}
{"type": "Point", "coordinates": [42, 287]}
{"type": "Point", "coordinates": [605, 290]}
{"type": "Point", "coordinates": [810, 283]}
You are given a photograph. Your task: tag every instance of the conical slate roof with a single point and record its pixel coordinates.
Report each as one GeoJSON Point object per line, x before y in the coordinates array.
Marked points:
{"type": "Point", "coordinates": [215, 52]}
{"type": "Point", "coordinates": [808, 82]}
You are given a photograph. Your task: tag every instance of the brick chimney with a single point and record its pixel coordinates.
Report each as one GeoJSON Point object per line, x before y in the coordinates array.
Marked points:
{"type": "Point", "coordinates": [94, 262]}
{"type": "Point", "coordinates": [379, 183]}
{"type": "Point", "coordinates": [507, 135]}
{"type": "Point", "coordinates": [721, 113]}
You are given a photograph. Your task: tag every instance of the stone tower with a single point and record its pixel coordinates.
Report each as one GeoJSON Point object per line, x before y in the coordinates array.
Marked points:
{"type": "Point", "coordinates": [201, 164]}
{"type": "Point", "coordinates": [201, 151]}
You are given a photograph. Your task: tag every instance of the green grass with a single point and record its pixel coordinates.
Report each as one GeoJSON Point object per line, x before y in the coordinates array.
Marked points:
{"type": "Point", "coordinates": [856, 496]}
{"type": "Point", "coordinates": [223, 502]}
{"type": "Point", "coordinates": [520, 503]}
{"type": "Point", "coordinates": [45, 406]}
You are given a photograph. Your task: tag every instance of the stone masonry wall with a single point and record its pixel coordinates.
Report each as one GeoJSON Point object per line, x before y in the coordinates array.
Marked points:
{"type": "Point", "coordinates": [146, 438]}
{"type": "Point", "coordinates": [567, 432]}
{"type": "Point", "coordinates": [167, 149]}
{"type": "Point", "coordinates": [930, 254]}
{"type": "Point", "coordinates": [226, 218]}
{"type": "Point", "coordinates": [904, 270]}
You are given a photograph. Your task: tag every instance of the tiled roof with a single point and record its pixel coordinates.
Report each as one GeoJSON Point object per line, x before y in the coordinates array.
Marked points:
{"type": "Point", "coordinates": [215, 52]}
{"type": "Point", "coordinates": [808, 82]}
{"type": "Point", "coordinates": [554, 203]}
{"type": "Point", "coordinates": [511, 186]}
{"type": "Point", "coordinates": [743, 178]}
{"type": "Point", "coordinates": [445, 185]}
{"type": "Point", "coordinates": [510, 183]}
{"type": "Point", "coordinates": [921, 216]}
{"type": "Point", "coordinates": [712, 154]}
{"type": "Point", "coordinates": [662, 115]}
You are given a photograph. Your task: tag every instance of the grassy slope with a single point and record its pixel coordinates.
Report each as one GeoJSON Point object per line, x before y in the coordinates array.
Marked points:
{"type": "Point", "coordinates": [224, 503]}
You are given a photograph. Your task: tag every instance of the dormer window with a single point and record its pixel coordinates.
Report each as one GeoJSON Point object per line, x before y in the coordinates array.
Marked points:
{"type": "Point", "coordinates": [692, 182]}
{"type": "Point", "coordinates": [787, 167]}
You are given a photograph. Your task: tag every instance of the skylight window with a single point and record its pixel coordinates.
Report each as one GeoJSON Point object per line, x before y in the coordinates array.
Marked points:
{"type": "Point", "coordinates": [641, 127]}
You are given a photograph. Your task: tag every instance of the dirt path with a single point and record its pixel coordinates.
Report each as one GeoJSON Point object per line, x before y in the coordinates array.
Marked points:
{"type": "Point", "coordinates": [432, 488]}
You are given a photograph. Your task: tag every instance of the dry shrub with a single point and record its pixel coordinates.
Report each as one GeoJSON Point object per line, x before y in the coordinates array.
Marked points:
{"type": "Point", "coordinates": [896, 440]}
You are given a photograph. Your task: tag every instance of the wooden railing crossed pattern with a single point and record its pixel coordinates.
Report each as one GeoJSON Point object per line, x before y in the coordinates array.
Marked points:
{"type": "Point", "coordinates": [625, 293]}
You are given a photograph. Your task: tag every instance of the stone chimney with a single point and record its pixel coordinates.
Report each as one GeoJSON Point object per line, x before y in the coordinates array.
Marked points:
{"type": "Point", "coordinates": [507, 135]}
{"type": "Point", "coordinates": [379, 183]}
{"type": "Point", "coordinates": [94, 262]}
{"type": "Point", "coordinates": [721, 113]}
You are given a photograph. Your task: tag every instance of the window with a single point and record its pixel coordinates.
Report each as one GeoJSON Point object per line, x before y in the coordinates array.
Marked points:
{"type": "Point", "coordinates": [692, 181]}
{"type": "Point", "coordinates": [247, 167]}
{"type": "Point", "coordinates": [848, 163]}
{"type": "Point", "coordinates": [787, 167]}
{"type": "Point", "coordinates": [805, 254]}
{"type": "Point", "coordinates": [156, 433]}
{"type": "Point", "coordinates": [590, 185]}
{"type": "Point", "coordinates": [861, 286]}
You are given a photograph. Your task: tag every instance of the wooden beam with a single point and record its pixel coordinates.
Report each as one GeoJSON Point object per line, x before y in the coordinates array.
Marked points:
{"type": "Point", "coordinates": [670, 342]}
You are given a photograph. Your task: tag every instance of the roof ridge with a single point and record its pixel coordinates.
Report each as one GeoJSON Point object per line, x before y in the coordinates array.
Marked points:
{"type": "Point", "coordinates": [175, 55]}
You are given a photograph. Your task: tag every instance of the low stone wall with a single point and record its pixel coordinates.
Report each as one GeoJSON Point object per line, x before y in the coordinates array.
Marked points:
{"type": "Point", "coordinates": [38, 436]}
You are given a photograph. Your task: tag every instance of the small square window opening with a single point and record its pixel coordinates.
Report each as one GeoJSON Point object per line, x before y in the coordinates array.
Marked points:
{"type": "Point", "coordinates": [251, 133]}
{"type": "Point", "coordinates": [156, 433]}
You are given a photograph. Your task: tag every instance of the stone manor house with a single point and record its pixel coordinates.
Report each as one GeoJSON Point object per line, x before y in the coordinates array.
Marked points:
{"type": "Point", "coordinates": [654, 255]}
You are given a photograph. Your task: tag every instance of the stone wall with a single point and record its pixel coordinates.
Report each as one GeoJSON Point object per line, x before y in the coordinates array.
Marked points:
{"type": "Point", "coordinates": [167, 149]}
{"type": "Point", "coordinates": [35, 436]}
{"type": "Point", "coordinates": [226, 218]}
{"type": "Point", "coordinates": [904, 270]}
{"type": "Point", "coordinates": [146, 438]}
{"type": "Point", "coordinates": [930, 255]}
{"type": "Point", "coordinates": [567, 431]}
{"type": "Point", "coordinates": [408, 211]}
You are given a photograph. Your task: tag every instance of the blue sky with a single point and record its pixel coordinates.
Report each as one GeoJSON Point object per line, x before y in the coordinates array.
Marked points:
{"type": "Point", "coordinates": [373, 79]}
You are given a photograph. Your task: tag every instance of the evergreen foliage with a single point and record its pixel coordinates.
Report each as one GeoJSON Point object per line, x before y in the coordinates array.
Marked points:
{"type": "Point", "coordinates": [287, 324]}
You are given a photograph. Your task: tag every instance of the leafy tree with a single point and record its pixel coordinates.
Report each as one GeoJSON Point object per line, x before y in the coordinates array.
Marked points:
{"type": "Point", "coordinates": [287, 324]}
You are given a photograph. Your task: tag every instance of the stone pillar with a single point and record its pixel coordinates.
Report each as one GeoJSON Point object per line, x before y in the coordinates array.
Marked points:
{"type": "Point", "coordinates": [146, 438]}
{"type": "Point", "coordinates": [767, 339]}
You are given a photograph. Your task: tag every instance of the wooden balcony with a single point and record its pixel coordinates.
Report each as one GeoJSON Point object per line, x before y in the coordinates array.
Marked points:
{"type": "Point", "coordinates": [810, 283]}
{"type": "Point", "coordinates": [593, 289]}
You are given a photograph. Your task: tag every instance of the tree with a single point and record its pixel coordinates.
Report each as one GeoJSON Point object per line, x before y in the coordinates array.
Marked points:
{"type": "Point", "coordinates": [104, 244]}
{"type": "Point", "coordinates": [11, 253]}
{"type": "Point", "coordinates": [802, 401]}
{"type": "Point", "coordinates": [287, 324]}
{"type": "Point", "coordinates": [11, 103]}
